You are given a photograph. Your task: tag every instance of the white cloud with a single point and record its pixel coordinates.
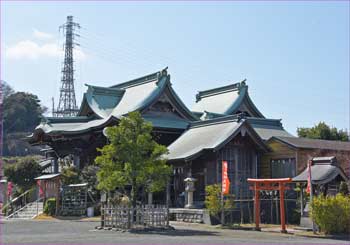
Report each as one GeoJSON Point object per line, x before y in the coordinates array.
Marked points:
{"type": "Point", "coordinates": [41, 35]}
{"type": "Point", "coordinates": [29, 49]}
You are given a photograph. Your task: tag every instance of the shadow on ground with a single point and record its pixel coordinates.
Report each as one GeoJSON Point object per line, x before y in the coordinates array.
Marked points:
{"type": "Point", "coordinates": [334, 237]}
{"type": "Point", "coordinates": [176, 232]}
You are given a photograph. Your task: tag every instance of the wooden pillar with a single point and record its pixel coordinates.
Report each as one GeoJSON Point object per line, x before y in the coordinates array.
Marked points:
{"type": "Point", "coordinates": [282, 211]}
{"type": "Point", "coordinates": [55, 164]}
{"type": "Point", "coordinates": [57, 187]}
{"type": "Point", "coordinates": [257, 207]}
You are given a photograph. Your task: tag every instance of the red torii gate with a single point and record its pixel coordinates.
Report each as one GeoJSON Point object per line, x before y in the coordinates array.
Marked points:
{"type": "Point", "coordinates": [269, 184]}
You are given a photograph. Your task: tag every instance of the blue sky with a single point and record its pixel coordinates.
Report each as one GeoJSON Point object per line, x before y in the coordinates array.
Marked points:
{"type": "Point", "coordinates": [294, 55]}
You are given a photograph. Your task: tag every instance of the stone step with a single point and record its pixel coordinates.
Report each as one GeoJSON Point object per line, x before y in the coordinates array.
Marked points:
{"type": "Point", "coordinates": [30, 211]}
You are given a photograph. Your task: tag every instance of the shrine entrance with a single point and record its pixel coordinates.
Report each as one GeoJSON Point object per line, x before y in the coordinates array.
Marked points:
{"type": "Point", "coordinates": [269, 184]}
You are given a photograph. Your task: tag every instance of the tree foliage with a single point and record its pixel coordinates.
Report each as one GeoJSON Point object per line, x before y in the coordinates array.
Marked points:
{"type": "Point", "coordinates": [7, 90]}
{"type": "Point", "coordinates": [343, 188]}
{"type": "Point", "coordinates": [323, 131]}
{"type": "Point", "coordinates": [132, 158]}
{"type": "Point", "coordinates": [23, 172]}
{"type": "Point", "coordinates": [70, 175]}
{"type": "Point", "coordinates": [22, 112]}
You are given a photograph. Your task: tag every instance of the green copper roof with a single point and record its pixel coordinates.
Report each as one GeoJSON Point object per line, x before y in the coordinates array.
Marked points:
{"type": "Point", "coordinates": [71, 127]}
{"type": "Point", "coordinates": [225, 100]}
{"type": "Point", "coordinates": [101, 105]}
{"type": "Point", "coordinates": [101, 100]}
{"type": "Point", "coordinates": [138, 97]}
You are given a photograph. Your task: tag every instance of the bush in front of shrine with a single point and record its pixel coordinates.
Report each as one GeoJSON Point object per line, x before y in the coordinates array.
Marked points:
{"type": "Point", "coordinates": [332, 213]}
{"type": "Point", "coordinates": [213, 201]}
{"type": "Point", "coordinates": [50, 206]}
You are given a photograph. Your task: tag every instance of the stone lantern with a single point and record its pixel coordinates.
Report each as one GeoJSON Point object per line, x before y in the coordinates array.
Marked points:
{"type": "Point", "coordinates": [189, 188]}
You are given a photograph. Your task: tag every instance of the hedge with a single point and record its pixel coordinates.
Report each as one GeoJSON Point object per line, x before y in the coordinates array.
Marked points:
{"type": "Point", "coordinates": [50, 206]}
{"type": "Point", "coordinates": [332, 213]}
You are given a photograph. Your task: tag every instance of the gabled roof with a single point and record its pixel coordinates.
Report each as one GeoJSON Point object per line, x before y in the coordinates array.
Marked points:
{"type": "Point", "coordinates": [209, 135]}
{"type": "Point", "coordinates": [323, 170]}
{"type": "Point", "coordinates": [100, 100]}
{"type": "Point", "coordinates": [102, 105]}
{"type": "Point", "coordinates": [123, 98]}
{"type": "Point", "coordinates": [314, 143]}
{"type": "Point", "coordinates": [226, 100]}
{"type": "Point", "coordinates": [267, 128]}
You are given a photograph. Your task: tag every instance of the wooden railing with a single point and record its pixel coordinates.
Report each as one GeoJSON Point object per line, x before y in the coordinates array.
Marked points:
{"type": "Point", "coordinates": [125, 217]}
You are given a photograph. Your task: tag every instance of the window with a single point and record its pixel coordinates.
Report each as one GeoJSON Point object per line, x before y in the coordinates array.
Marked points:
{"type": "Point", "coordinates": [283, 168]}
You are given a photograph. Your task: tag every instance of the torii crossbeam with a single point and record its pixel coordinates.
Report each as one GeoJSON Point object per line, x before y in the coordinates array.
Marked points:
{"type": "Point", "coordinates": [269, 184]}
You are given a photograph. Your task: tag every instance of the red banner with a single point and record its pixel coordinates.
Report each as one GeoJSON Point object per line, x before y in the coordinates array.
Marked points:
{"type": "Point", "coordinates": [41, 191]}
{"type": "Point", "coordinates": [308, 188]}
{"type": "Point", "coordinates": [225, 179]}
{"type": "Point", "coordinates": [9, 189]}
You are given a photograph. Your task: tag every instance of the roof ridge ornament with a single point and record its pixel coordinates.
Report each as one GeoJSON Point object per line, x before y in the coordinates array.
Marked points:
{"type": "Point", "coordinates": [220, 90]}
{"type": "Point", "coordinates": [141, 80]}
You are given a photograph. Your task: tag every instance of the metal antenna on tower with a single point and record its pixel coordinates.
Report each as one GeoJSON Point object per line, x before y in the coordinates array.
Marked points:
{"type": "Point", "coordinates": [67, 105]}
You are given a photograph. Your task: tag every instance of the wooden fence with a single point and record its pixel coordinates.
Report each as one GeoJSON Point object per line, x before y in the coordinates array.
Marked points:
{"type": "Point", "coordinates": [124, 217]}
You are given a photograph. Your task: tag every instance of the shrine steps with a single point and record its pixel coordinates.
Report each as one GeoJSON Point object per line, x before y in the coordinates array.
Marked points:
{"type": "Point", "coordinates": [30, 211]}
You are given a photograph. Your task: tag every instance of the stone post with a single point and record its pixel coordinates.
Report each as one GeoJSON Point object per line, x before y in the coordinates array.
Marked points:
{"type": "Point", "coordinates": [189, 181]}
{"type": "Point", "coordinates": [150, 198]}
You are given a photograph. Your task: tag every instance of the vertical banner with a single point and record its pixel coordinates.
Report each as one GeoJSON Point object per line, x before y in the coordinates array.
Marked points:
{"type": "Point", "coordinates": [225, 180]}
{"type": "Point", "coordinates": [41, 191]}
{"type": "Point", "coordinates": [308, 188]}
{"type": "Point", "coordinates": [9, 189]}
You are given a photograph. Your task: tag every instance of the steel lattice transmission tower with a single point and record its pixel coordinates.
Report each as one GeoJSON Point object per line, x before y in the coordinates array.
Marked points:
{"type": "Point", "coordinates": [67, 105]}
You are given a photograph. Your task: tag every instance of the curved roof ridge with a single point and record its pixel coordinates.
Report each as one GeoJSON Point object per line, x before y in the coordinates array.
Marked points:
{"type": "Point", "coordinates": [265, 121]}
{"type": "Point", "coordinates": [219, 90]}
{"type": "Point", "coordinates": [104, 90]}
{"type": "Point", "coordinates": [218, 120]}
{"type": "Point", "coordinates": [141, 80]}
{"type": "Point", "coordinates": [252, 105]}
{"type": "Point", "coordinates": [179, 101]}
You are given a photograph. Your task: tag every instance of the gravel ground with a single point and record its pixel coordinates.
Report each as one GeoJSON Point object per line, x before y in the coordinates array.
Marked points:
{"type": "Point", "coordinates": [83, 232]}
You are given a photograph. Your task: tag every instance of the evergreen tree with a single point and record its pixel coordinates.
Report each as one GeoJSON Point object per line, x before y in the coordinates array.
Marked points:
{"type": "Point", "coordinates": [132, 158]}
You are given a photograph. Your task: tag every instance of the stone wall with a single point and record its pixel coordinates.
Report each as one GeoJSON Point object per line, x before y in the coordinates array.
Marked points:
{"type": "Point", "coordinates": [187, 215]}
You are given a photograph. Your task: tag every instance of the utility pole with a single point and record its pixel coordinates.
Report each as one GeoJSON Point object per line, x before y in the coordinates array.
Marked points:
{"type": "Point", "coordinates": [67, 105]}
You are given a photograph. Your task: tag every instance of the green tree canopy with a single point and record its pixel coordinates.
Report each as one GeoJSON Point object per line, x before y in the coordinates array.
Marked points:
{"type": "Point", "coordinates": [22, 112]}
{"type": "Point", "coordinates": [23, 172]}
{"type": "Point", "coordinates": [323, 131]}
{"type": "Point", "coordinates": [6, 89]}
{"type": "Point", "coordinates": [132, 158]}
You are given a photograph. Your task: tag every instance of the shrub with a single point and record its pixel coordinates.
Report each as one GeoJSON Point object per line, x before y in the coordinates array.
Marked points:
{"type": "Point", "coordinates": [343, 188]}
{"type": "Point", "coordinates": [332, 213]}
{"type": "Point", "coordinates": [213, 200]}
{"type": "Point", "coordinates": [50, 206]}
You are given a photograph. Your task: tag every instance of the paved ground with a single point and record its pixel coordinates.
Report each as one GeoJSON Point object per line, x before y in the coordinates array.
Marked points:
{"type": "Point", "coordinates": [83, 232]}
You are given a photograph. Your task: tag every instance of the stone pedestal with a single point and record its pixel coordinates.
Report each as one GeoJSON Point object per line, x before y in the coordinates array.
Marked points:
{"type": "Point", "coordinates": [189, 191]}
